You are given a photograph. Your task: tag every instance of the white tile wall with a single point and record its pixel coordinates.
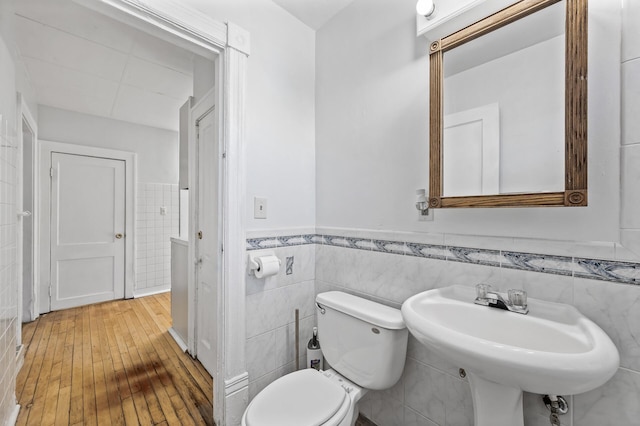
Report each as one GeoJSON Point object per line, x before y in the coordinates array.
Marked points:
{"type": "Point", "coordinates": [8, 267]}
{"type": "Point", "coordinates": [270, 307]}
{"type": "Point", "coordinates": [431, 391]}
{"type": "Point", "coordinates": [631, 35]}
{"type": "Point", "coordinates": [631, 101]}
{"type": "Point", "coordinates": [630, 151]}
{"type": "Point", "coordinates": [153, 233]}
{"type": "Point", "coordinates": [617, 401]}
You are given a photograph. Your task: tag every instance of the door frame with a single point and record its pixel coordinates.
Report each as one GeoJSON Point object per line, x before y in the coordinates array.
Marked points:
{"type": "Point", "coordinates": [187, 27]}
{"type": "Point", "coordinates": [25, 115]}
{"type": "Point", "coordinates": [130, 160]}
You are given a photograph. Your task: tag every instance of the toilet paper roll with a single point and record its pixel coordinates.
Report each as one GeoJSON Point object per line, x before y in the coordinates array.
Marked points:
{"type": "Point", "coordinates": [267, 266]}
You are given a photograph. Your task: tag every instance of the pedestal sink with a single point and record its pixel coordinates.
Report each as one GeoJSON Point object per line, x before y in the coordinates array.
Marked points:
{"type": "Point", "coordinates": [554, 349]}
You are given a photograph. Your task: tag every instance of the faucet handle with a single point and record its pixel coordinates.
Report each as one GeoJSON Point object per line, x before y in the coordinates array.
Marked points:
{"type": "Point", "coordinates": [482, 290]}
{"type": "Point", "coordinates": [517, 298]}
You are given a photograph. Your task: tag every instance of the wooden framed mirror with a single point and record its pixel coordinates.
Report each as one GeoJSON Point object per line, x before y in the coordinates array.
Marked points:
{"type": "Point", "coordinates": [499, 150]}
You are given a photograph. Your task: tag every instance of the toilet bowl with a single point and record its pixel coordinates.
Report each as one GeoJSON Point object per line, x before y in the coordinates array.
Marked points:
{"type": "Point", "coordinates": [306, 397]}
{"type": "Point", "coordinates": [365, 343]}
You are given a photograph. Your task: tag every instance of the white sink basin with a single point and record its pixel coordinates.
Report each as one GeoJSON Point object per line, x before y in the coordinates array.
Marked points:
{"type": "Point", "coordinates": [552, 350]}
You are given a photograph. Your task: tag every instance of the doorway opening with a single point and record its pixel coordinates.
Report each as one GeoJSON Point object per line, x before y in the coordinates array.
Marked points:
{"type": "Point", "coordinates": [209, 39]}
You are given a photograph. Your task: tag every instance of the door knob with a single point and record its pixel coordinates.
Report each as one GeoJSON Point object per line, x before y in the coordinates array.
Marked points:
{"type": "Point", "coordinates": [119, 236]}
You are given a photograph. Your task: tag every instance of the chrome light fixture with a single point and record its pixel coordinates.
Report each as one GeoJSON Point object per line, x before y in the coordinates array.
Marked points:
{"type": "Point", "coordinates": [421, 202]}
{"type": "Point", "coordinates": [426, 8]}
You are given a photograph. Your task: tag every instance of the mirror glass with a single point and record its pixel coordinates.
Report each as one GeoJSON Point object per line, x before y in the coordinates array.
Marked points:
{"type": "Point", "coordinates": [504, 109]}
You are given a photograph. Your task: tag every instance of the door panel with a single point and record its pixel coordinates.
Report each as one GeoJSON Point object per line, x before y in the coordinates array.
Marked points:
{"type": "Point", "coordinates": [84, 271]}
{"type": "Point", "coordinates": [79, 200]}
{"type": "Point", "coordinates": [207, 247]}
{"type": "Point", "coordinates": [87, 211]}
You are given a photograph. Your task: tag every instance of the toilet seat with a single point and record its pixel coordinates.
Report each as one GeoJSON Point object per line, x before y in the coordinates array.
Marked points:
{"type": "Point", "coordinates": [304, 397]}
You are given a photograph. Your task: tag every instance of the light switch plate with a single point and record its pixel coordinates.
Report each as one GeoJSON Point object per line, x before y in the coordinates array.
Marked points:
{"type": "Point", "coordinates": [259, 208]}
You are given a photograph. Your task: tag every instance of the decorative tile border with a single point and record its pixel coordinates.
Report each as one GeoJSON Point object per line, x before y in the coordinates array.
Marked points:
{"type": "Point", "coordinates": [606, 270]}
{"type": "Point", "coordinates": [559, 265]}
{"type": "Point", "coordinates": [595, 269]}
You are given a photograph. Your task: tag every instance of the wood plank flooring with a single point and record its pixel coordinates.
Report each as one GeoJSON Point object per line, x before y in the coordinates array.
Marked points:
{"type": "Point", "coordinates": [111, 363]}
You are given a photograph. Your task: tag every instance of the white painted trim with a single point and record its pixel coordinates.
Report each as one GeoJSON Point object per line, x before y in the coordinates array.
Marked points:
{"type": "Point", "coordinates": [176, 23]}
{"type": "Point", "coordinates": [178, 339]}
{"type": "Point", "coordinates": [13, 418]}
{"type": "Point", "coordinates": [235, 406]}
{"type": "Point", "coordinates": [238, 38]}
{"type": "Point", "coordinates": [232, 357]}
{"type": "Point", "coordinates": [130, 159]}
{"type": "Point", "coordinates": [235, 384]}
{"type": "Point", "coordinates": [143, 292]}
{"type": "Point", "coordinates": [24, 113]}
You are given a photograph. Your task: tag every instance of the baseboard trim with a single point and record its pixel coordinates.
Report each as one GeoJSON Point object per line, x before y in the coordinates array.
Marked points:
{"type": "Point", "coordinates": [178, 339]}
{"type": "Point", "coordinates": [237, 383]}
{"type": "Point", "coordinates": [151, 291]}
{"type": "Point", "coordinates": [13, 418]}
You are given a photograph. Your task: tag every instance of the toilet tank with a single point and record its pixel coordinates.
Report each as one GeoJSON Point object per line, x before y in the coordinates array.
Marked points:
{"type": "Point", "coordinates": [363, 340]}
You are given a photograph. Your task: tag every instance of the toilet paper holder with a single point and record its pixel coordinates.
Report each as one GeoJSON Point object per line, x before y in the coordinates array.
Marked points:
{"type": "Point", "coordinates": [253, 261]}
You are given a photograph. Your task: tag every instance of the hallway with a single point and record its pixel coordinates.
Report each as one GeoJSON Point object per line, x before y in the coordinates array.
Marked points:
{"type": "Point", "coordinates": [112, 363]}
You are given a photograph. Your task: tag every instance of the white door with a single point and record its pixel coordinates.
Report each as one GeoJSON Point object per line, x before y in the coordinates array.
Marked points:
{"type": "Point", "coordinates": [471, 152]}
{"type": "Point", "coordinates": [207, 241]}
{"type": "Point", "coordinates": [87, 230]}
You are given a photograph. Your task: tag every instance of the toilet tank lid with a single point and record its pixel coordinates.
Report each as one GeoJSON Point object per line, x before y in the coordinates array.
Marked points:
{"type": "Point", "coordinates": [363, 309]}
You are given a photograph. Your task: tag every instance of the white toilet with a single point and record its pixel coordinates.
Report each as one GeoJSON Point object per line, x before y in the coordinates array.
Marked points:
{"type": "Point", "coordinates": [366, 345]}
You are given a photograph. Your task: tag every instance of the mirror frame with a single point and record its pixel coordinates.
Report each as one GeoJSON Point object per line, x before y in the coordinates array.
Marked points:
{"type": "Point", "coordinates": [575, 193]}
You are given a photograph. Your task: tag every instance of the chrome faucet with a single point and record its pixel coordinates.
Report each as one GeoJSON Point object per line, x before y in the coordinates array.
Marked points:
{"type": "Point", "coordinates": [516, 300]}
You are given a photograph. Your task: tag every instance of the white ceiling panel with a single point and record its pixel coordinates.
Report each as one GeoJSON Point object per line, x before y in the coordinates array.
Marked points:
{"type": "Point", "coordinates": [57, 47]}
{"type": "Point", "coordinates": [69, 89]}
{"type": "Point", "coordinates": [157, 79]}
{"type": "Point", "coordinates": [82, 61]}
{"type": "Point", "coordinates": [151, 109]}
{"type": "Point", "coordinates": [160, 52]}
{"type": "Point", "coordinates": [72, 18]}
{"type": "Point", "coordinates": [313, 13]}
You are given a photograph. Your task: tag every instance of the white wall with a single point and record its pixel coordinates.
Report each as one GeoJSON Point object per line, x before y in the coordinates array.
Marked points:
{"type": "Point", "coordinates": [280, 110]}
{"type": "Point", "coordinates": [372, 131]}
{"type": "Point", "coordinates": [157, 149]}
{"type": "Point", "coordinates": [8, 228]}
{"type": "Point", "coordinates": [271, 304]}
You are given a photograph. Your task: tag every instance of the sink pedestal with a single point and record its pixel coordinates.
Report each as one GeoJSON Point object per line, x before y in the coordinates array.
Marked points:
{"type": "Point", "coordinates": [495, 404]}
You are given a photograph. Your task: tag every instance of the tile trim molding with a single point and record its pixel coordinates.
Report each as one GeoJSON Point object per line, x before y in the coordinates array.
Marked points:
{"type": "Point", "coordinates": [595, 269]}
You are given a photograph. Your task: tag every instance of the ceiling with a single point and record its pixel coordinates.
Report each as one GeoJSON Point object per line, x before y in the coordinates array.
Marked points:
{"type": "Point", "coordinates": [313, 13]}
{"type": "Point", "coordinates": [82, 61]}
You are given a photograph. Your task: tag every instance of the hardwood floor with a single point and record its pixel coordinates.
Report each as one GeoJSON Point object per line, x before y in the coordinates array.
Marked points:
{"type": "Point", "coordinates": [112, 363]}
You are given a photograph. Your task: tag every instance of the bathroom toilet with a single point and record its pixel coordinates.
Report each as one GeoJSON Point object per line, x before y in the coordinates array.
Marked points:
{"type": "Point", "coordinates": [364, 342]}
